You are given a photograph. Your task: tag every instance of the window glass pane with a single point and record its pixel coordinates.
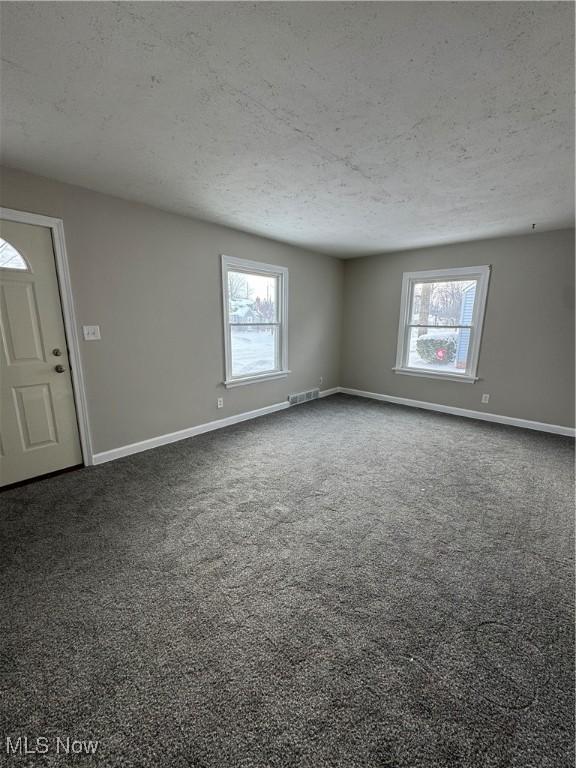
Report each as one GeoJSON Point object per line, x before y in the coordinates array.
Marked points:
{"type": "Point", "coordinates": [10, 258]}
{"type": "Point", "coordinates": [254, 350]}
{"type": "Point", "coordinates": [443, 303]}
{"type": "Point", "coordinates": [252, 298]}
{"type": "Point", "coordinates": [439, 349]}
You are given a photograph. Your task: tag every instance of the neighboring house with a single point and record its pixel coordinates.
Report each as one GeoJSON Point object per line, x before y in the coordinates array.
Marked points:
{"type": "Point", "coordinates": [465, 319]}
{"type": "Point", "coordinates": [247, 315]}
{"type": "Point", "coordinates": [252, 310]}
{"type": "Point", "coordinates": [245, 312]}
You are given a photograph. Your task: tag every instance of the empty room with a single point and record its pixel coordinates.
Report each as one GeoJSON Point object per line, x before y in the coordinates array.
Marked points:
{"type": "Point", "coordinates": [287, 359]}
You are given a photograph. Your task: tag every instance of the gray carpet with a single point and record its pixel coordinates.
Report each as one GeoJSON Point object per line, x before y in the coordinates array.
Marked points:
{"type": "Point", "coordinates": [345, 583]}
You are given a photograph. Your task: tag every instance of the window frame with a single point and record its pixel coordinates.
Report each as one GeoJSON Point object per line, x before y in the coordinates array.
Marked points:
{"type": "Point", "coordinates": [409, 279]}
{"type": "Point", "coordinates": [234, 264]}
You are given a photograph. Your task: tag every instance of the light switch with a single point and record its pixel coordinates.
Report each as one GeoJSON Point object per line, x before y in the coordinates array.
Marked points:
{"type": "Point", "coordinates": [91, 332]}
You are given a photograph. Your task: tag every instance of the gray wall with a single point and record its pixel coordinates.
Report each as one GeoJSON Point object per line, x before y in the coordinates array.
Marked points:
{"type": "Point", "coordinates": [527, 355]}
{"type": "Point", "coordinates": [151, 280]}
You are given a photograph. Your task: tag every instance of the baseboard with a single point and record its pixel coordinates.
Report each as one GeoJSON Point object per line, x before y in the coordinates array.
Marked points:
{"type": "Point", "coordinates": [183, 434]}
{"type": "Point", "coordinates": [200, 429]}
{"type": "Point", "coordinates": [328, 392]}
{"type": "Point", "coordinates": [555, 429]}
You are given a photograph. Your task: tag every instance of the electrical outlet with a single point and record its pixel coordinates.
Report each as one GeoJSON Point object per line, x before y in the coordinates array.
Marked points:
{"type": "Point", "coordinates": [321, 379]}
{"type": "Point", "coordinates": [91, 332]}
{"type": "Point", "coordinates": [485, 398]}
{"type": "Point", "coordinates": [220, 402]}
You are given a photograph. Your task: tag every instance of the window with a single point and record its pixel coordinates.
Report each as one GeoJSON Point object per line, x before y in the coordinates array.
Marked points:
{"type": "Point", "coordinates": [255, 321]}
{"type": "Point", "coordinates": [10, 258]}
{"type": "Point", "coordinates": [441, 318]}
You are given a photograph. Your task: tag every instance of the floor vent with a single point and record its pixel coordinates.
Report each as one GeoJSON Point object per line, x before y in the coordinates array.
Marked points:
{"type": "Point", "coordinates": [304, 397]}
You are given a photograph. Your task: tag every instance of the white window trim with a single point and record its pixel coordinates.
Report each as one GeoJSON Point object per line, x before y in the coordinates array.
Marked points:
{"type": "Point", "coordinates": [482, 275]}
{"type": "Point", "coordinates": [256, 267]}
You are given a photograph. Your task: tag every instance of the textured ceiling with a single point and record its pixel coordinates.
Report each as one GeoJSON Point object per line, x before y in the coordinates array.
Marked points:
{"type": "Point", "coordinates": [348, 128]}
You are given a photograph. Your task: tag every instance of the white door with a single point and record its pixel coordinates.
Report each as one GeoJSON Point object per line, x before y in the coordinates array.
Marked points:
{"type": "Point", "coordinates": [38, 427]}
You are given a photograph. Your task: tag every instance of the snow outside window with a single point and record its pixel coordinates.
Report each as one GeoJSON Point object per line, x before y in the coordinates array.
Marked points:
{"type": "Point", "coordinates": [255, 320]}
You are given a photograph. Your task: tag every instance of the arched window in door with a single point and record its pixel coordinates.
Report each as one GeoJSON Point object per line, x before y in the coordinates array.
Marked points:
{"type": "Point", "coordinates": [10, 258]}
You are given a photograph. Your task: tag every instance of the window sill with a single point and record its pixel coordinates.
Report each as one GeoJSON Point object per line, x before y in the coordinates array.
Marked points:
{"type": "Point", "coordinates": [230, 383]}
{"type": "Point", "coordinates": [465, 378]}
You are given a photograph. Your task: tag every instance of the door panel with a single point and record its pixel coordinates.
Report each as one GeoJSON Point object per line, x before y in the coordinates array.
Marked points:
{"type": "Point", "coordinates": [20, 326]}
{"type": "Point", "coordinates": [35, 413]}
{"type": "Point", "coordinates": [38, 427]}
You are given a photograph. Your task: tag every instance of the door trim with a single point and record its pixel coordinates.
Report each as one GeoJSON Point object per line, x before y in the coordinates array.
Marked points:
{"type": "Point", "coordinates": [56, 227]}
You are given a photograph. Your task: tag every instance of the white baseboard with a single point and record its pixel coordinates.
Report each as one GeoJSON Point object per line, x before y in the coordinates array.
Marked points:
{"type": "Point", "coordinates": [328, 392]}
{"type": "Point", "coordinates": [183, 434]}
{"type": "Point", "coordinates": [555, 429]}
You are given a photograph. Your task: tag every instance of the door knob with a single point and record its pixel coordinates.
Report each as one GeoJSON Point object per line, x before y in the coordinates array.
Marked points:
{"type": "Point", "coordinates": [56, 352]}
{"type": "Point", "coordinates": [59, 368]}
